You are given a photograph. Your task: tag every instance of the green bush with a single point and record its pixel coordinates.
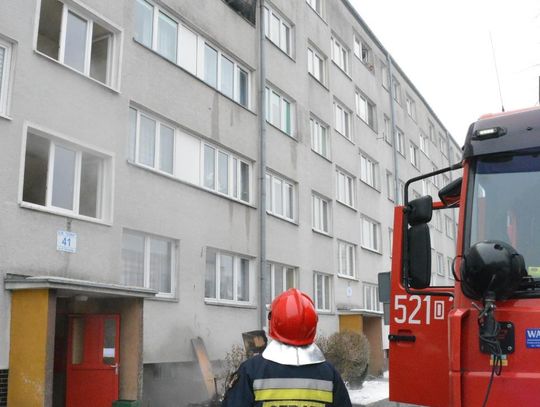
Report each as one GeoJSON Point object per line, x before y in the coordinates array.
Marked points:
{"type": "Point", "coordinates": [349, 353]}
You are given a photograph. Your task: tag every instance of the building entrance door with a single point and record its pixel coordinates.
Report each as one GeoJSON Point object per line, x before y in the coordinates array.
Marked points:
{"type": "Point", "coordinates": [92, 360]}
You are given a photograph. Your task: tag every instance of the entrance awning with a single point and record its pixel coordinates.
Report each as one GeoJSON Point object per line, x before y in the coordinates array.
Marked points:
{"type": "Point", "coordinates": [68, 287]}
{"type": "Point", "coordinates": [362, 311]}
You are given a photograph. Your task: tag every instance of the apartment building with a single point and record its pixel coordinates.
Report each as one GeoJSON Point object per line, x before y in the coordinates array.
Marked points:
{"type": "Point", "coordinates": [133, 147]}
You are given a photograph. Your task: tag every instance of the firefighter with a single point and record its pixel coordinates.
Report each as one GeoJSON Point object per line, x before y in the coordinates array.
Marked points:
{"type": "Point", "coordinates": [292, 370]}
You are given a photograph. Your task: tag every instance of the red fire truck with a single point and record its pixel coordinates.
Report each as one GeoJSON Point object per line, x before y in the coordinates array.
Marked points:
{"type": "Point", "coordinates": [475, 342]}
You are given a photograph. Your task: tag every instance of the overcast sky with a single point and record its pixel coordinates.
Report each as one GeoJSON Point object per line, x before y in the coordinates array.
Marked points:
{"type": "Point", "coordinates": [444, 47]}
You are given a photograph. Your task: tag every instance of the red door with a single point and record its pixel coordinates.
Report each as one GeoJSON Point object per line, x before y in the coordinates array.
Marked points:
{"type": "Point", "coordinates": [92, 360]}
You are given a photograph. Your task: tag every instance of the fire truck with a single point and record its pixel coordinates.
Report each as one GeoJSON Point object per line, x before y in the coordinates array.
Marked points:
{"type": "Point", "coordinates": [476, 341]}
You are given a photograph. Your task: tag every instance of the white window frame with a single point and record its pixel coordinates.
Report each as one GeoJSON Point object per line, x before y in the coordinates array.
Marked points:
{"type": "Point", "coordinates": [396, 90]}
{"type": "Point", "coordinates": [424, 144]}
{"type": "Point", "coordinates": [284, 44]}
{"type": "Point", "coordinates": [321, 304]}
{"type": "Point", "coordinates": [439, 259]}
{"type": "Point", "coordinates": [319, 207]}
{"type": "Point", "coordinates": [105, 182]}
{"type": "Point", "coordinates": [346, 259]}
{"type": "Point", "coordinates": [236, 272]}
{"type": "Point", "coordinates": [113, 49]}
{"type": "Point", "coordinates": [387, 130]}
{"type": "Point", "coordinates": [146, 261]}
{"type": "Point", "coordinates": [273, 208]}
{"type": "Point", "coordinates": [411, 107]}
{"type": "Point", "coordinates": [345, 188]}
{"type": "Point", "coordinates": [363, 52]}
{"type": "Point", "coordinates": [365, 109]}
{"type": "Point", "coordinates": [372, 241]}
{"type": "Point", "coordinates": [413, 155]}
{"type": "Point", "coordinates": [320, 140]}
{"type": "Point", "coordinates": [317, 6]}
{"type": "Point", "coordinates": [450, 264]}
{"type": "Point", "coordinates": [316, 64]}
{"type": "Point", "coordinates": [431, 131]}
{"type": "Point", "coordinates": [369, 171]}
{"type": "Point", "coordinates": [384, 76]}
{"type": "Point", "coordinates": [340, 54]}
{"type": "Point", "coordinates": [449, 227]}
{"type": "Point", "coordinates": [371, 291]}
{"type": "Point", "coordinates": [342, 120]}
{"type": "Point", "coordinates": [283, 101]}
{"type": "Point", "coordinates": [438, 220]}
{"type": "Point", "coordinates": [390, 241]}
{"type": "Point", "coordinates": [390, 185]}
{"type": "Point", "coordinates": [231, 171]}
{"type": "Point", "coordinates": [5, 78]}
{"type": "Point", "coordinates": [401, 192]}
{"type": "Point", "coordinates": [400, 141]}
{"type": "Point", "coordinates": [284, 269]}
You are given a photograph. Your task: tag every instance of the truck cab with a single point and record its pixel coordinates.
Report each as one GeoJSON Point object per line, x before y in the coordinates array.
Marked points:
{"type": "Point", "coordinates": [475, 340]}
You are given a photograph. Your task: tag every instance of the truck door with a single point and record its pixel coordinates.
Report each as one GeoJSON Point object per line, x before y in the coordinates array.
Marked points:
{"type": "Point", "coordinates": [419, 361]}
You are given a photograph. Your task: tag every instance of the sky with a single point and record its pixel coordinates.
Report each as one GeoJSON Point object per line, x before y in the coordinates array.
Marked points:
{"type": "Point", "coordinates": [445, 48]}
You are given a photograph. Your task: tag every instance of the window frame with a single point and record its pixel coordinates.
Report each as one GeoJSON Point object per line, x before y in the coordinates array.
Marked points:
{"type": "Point", "coordinates": [387, 130]}
{"type": "Point", "coordinates": [350, 254]}
{"type": "Point", "coordinates": [410, 105]}
{"type": "Point", "coordinates": [320, 11]}
{"type": "Point", "coordinates": [347, 194]}
{"type": "Point", "coordinates": [237, 261]}
{"type": "Point", "coordinates": [341, 60]}
{"type": "Point", "coordinates": [105, 184]}
{"type": "Point", "coordinates": [5, 79]}
{"type": "Point", "coordinates": [372, 289]}
{"type": "Point", "coordinates": [319, 131]}
{"type": "Point", "coordinates": [360, 45]}
{"type": "Point", "coordinates": [319, 206]}
{"type": "Point", "coordinates": [414, 158]}
{"type": "Point", "coordinates": [283, 100]}
{"type": "Point", "coordinates": [286, 47]}
{"type": "Point", "coordinates": [400, 141]}
{"type": "Point", "coordinates": [373, 241]}
{"type": "Point", "coordinates": [369, 163]}
{"type": "Point", "coordinates": [369, 114]}
{"type": "Point", "coordinates": [344, 119]}
{"type": "Point", "coordinates": [284, 269]}
{"type": "Point", "coordinates": [326, 291]}
{"type": "Point", "coordinates": [146, 261]}
{"type": "Point", "coordinates": [316, 55]}
{"type": "Point", "coordinates": [270, 195]}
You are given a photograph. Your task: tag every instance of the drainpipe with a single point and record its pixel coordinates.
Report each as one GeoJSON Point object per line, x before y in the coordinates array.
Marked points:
{"type": "Point", "coordinates": [394, 132]}
{"type": "Point", "coordinates": [262, 166]}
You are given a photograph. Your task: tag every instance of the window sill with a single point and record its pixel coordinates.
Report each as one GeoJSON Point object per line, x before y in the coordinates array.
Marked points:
{"type": "Point", "coordinates": [352, 208]}
{"type": "Point", "coordinates": [175, 179]}
{"type": "Point", "coordinates": [322, 233]}
{"type": "Point", "coordinates": [290, 221]}
{"type": "Point", "coordinates": [63, 214]}
{"type": "Point", "coordinates": [247, 108]}
{"type": "Point", "coordinates": [318, 81]}
{"type": "Point", "coordinates": [279, 49]}
{"type": "Point", "coordinates": [347, 277]}
{"type": "Point", "coordinates": [342, 70]}
{"type": "Point", "coordinates": [370, 186]}
{"type": "Point", "coordinates": [164, 298]}
{"type": "Point", "coordinates": [6, 117]}
{"type": "Point", "coordinates": [42, 55]}
{"type": "Point", "coordinates": [325, 312]}
{"type": "Point", "coordinates": [345, 137]}
{"type": "Point", "coordinates": [322, 156]}
{"type": "Point", "coordinates": [281, 131]}
{"type": "Point", "coordinates": [372, 128]}
{"type": "Point", "coordinates": [371, 250]}
{"type": "Point", "coordinates": [220, 303]}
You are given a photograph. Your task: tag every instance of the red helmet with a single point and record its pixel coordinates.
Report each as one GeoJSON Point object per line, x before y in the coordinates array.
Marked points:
{"type": "Point", "coordinates": [293, 319]}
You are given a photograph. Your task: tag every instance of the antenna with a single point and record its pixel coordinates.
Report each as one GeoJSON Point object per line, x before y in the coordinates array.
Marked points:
{"type": "Point", "coordinates": [496, 71]}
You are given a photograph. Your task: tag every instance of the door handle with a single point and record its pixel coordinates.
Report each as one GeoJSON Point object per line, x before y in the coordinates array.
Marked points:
{"type": "Point", "coordinates": [115, 366]}
{"type": "Point", "coordinates": [401, 338]}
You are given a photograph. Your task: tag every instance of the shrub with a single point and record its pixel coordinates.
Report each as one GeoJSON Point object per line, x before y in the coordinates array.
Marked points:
{"type": "Point", "coordinates": [349, 353]}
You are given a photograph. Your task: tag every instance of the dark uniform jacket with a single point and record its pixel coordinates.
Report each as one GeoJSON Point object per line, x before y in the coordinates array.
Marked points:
{"type": "Point", "coordinates": [263, 383]}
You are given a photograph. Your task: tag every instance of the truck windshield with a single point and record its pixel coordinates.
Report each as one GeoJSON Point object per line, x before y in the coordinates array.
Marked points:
{"type": "Point", "coordinates": [506, 204]}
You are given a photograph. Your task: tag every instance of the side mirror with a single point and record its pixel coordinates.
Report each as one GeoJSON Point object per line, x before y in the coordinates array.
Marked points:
{"type": "Point", "coordinates": [419, 251]}
{"type": "Point", "coordinates": [450, 194]}
{"type": "Point", "coordinates": [420, 210]}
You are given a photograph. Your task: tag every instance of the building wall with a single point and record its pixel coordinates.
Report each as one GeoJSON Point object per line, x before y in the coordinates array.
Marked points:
{"type": "Point", "coordinates": [45, 94]}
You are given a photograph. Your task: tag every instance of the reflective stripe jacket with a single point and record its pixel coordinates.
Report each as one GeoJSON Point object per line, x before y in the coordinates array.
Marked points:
{"type": "Point", "coordinates": [263, 383]}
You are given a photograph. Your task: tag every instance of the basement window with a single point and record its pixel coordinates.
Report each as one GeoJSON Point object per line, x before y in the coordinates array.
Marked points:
{"type": "Point", "coordinates": [80, 40]}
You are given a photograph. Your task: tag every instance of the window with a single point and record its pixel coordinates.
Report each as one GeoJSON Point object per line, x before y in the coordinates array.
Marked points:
{"type": "Point", "coordinates": [278, 111]}
{"type": "Point", "coordinates": [424, 145]}
{"type": "Point", "coordinates": [319, 137]}
{"type": "Point", "coordinates": [227, 277]}
{"type": "Point", "coordinates": [439, 263]}
{"type": "Point", "coordinates": [277, 30]}
{"type": "Point", "coordinates": [370, 234]}
{"type": "Point", "coordinates": [342, 120]}
{"type": "Point", "coordinates": [431, 131]}
{"type": "Point", "coordinates": [443, 146]}
{"type": "Point", "coordinates": [390, 185]}
{"type": "Point", "coordinates": [340, 55]}
{"type": "Point", "coordinates": [316, 65]}
{"type": "Point", "coordinates": [449, 226]}
{"type": "Point", "coordinates": [282, 278]}
{"type": "Point", "coordinates": [387, 130]}
{"type": "Point", "coordinates": [80, 40]}
{"type": "Point", "coordinates": [5, 69]}
{"type": "Point", "coordinates": [401, 192]}
{"type": "Point", "coordinates": [368, 171]}
{"type": "Point", "coordinates": [425, 187]}
{"type": "Point", "coordinates": [384, 76]}
{"type": "Point", "coordinates": [450, 265]}
{"type": "Point", "coordinates": [438, 220]}
{"type": "Point", "coordinates": [148, 261]}
{"type": "Point", "coordinates": [396, 90]}
{"type": "Point", "coordinates": [154, 142]}
{"type": "Point", "coordinates": [365, 109]}
{"type": "Point", "coordinates": [161, 32]}
{"type": "Point", "coordinates": [371, 298]}
{"type": "Point", "coordinates": [280, 197]}
{"type": "Point", "coordinates": [363, 52]}
{"type": "Point", "coordinates": [390, 240]}
{"type": "Point", "coordinates": [345, 188]}
{"type": "Point", "coordinates": [66, 178]}
{"type": "Point", "coordinates": [225, 173]}
{"type": "Point", "coordinates": [346, 259]}
{"type": "Point", "coordinates": [413, 155]}
{"type": "Point", "coordinates": [320, 214]}
{"type": "Point", "coordinates": [411, 107]}
{"type": "Point", "coordinates": [322, 291]}
{"type": "Point", "coordinates": [400, 142]}
{"type": "Point", "coordinates": [316, 5]}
